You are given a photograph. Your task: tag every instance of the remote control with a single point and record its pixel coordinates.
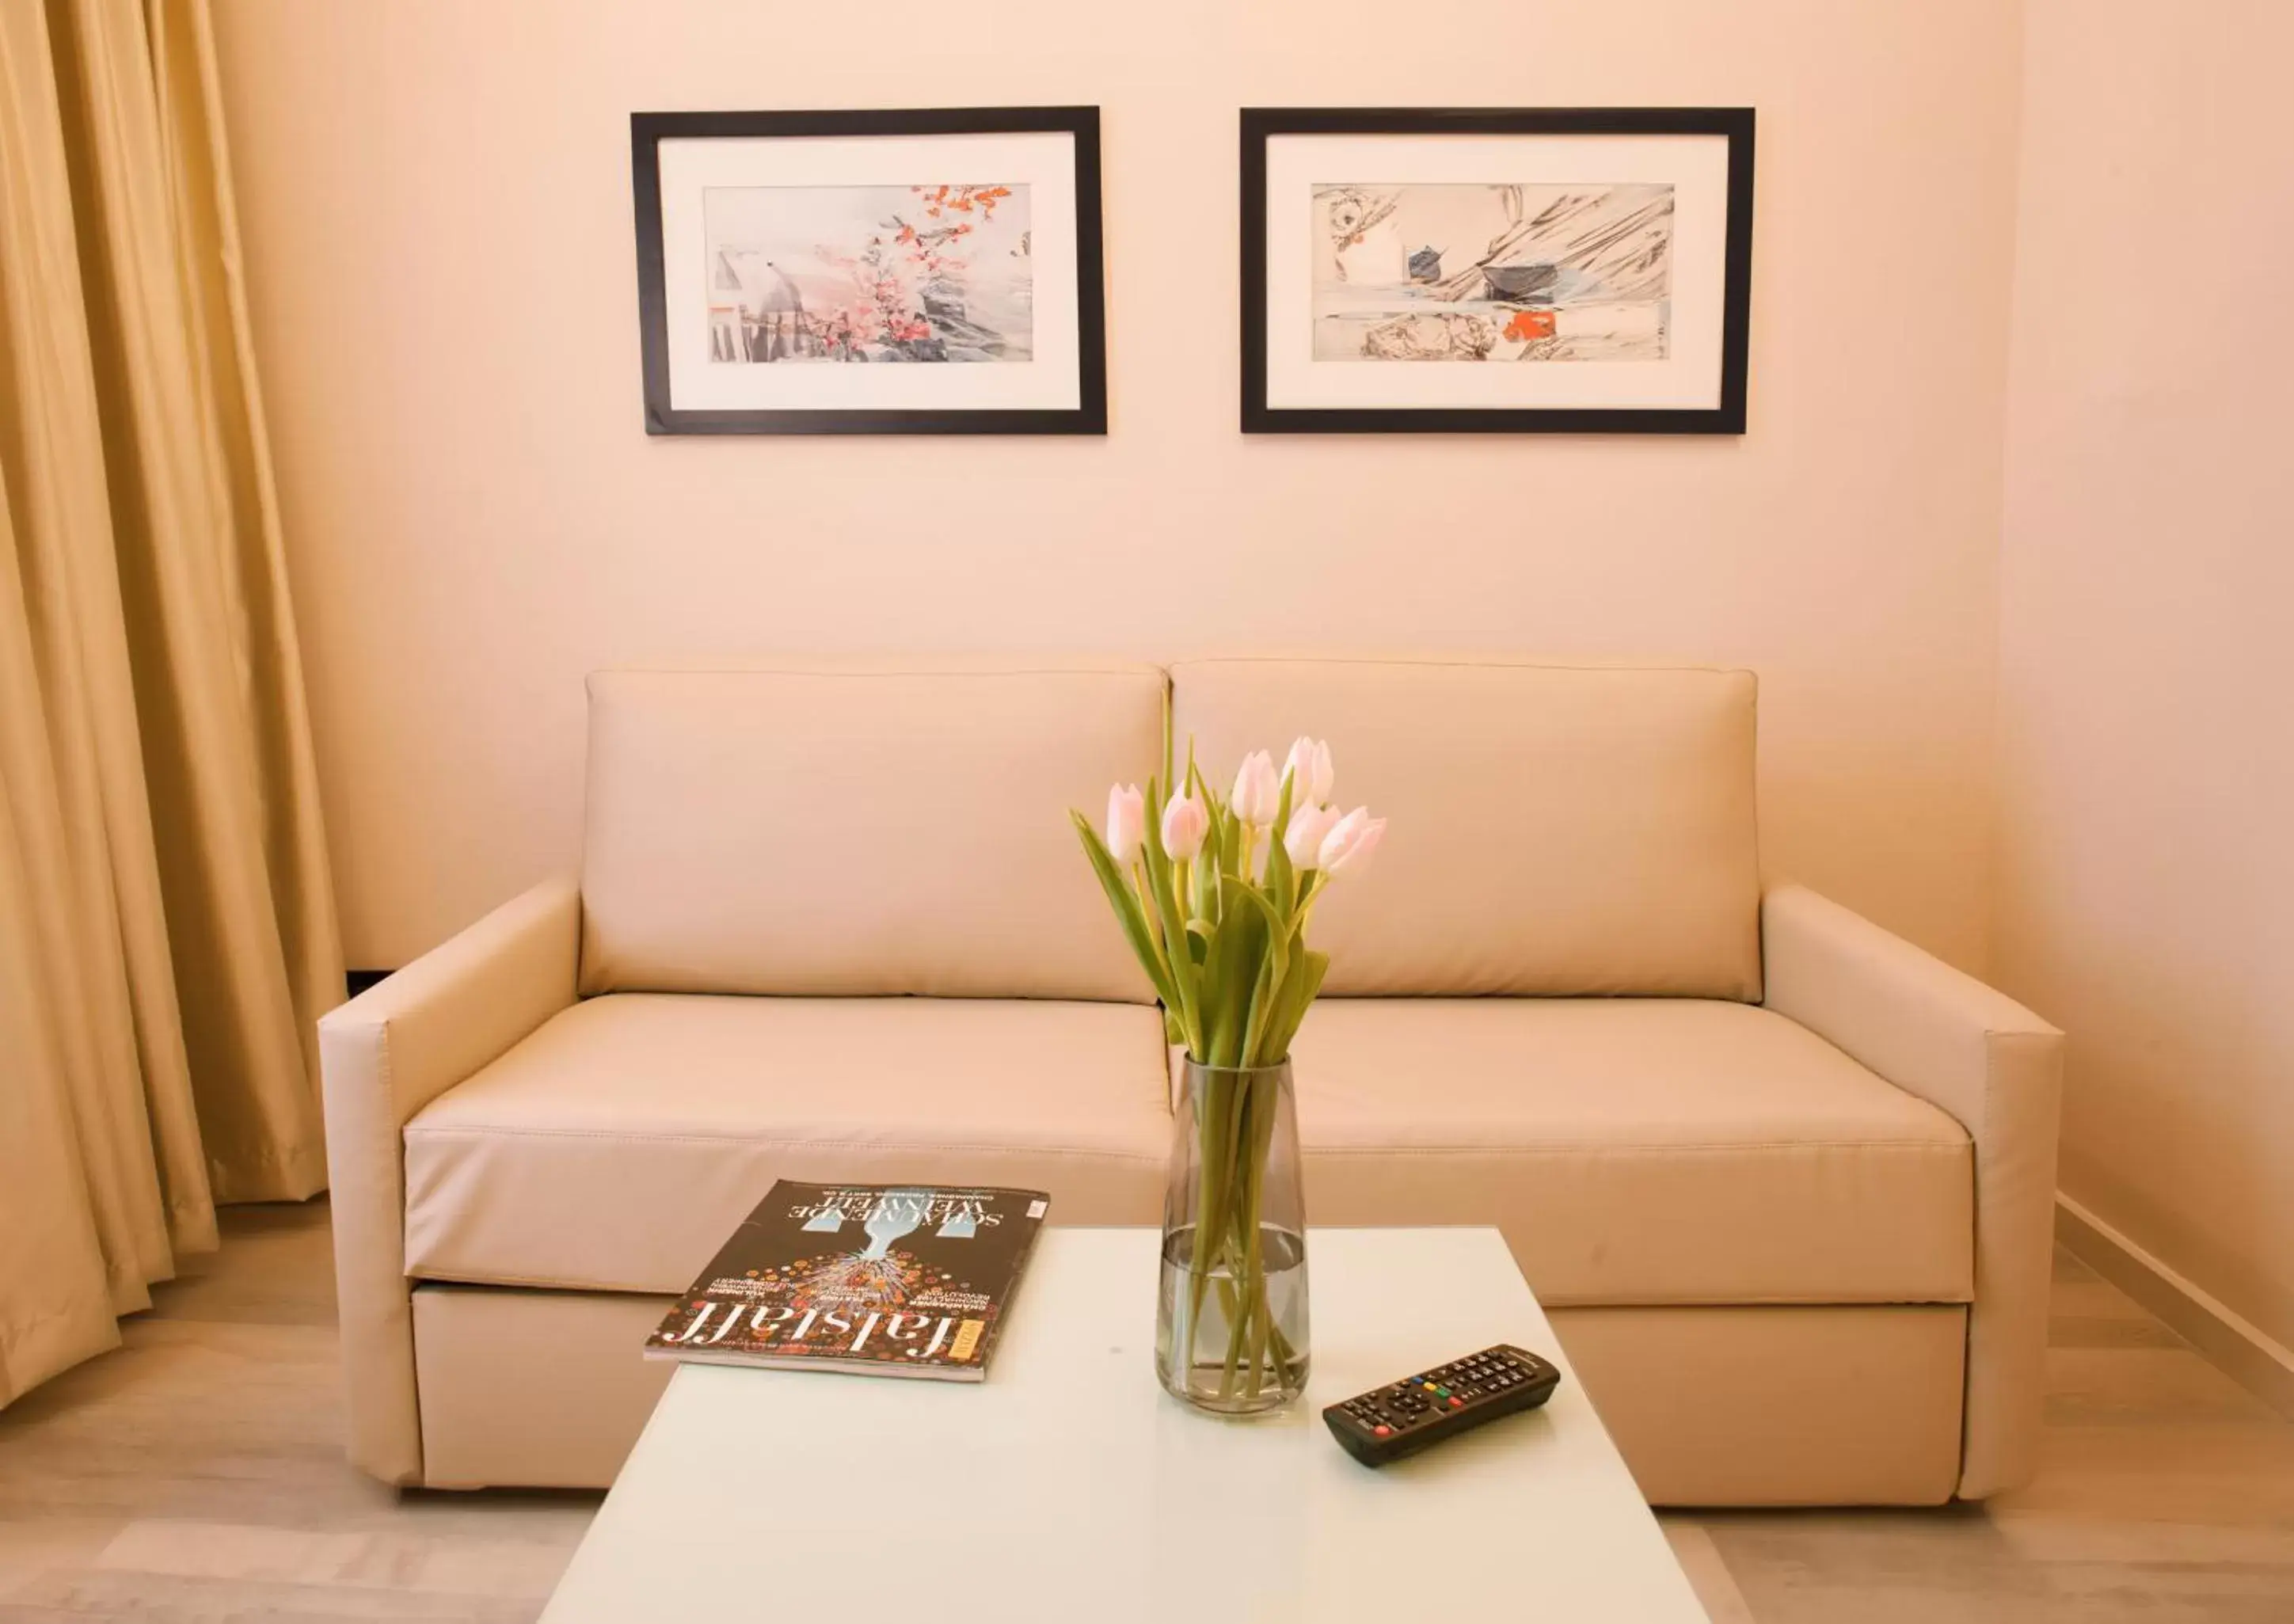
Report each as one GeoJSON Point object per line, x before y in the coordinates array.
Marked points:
{"type": "Point", "coordinates": [1389, 1423]}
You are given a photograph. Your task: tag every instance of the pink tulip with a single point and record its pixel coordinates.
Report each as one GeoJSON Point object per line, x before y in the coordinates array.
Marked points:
{"type": "Point", "coordinates": [1185, 823]}
{"type": "Point", "coordinates": [1348, 846]}
{"type": "Point", "coordinates": [1303, 836]}
{"type": "Point", "coordinates": [1127, 823]}
{"type": "Point", "coordinates": [1256, 789]}
{"type": "Point", "coordinates": [1312, 771]}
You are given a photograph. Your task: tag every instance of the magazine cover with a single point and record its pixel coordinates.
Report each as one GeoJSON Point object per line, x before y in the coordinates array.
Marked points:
{"type": "Point", "coordinates": [884, 1279]}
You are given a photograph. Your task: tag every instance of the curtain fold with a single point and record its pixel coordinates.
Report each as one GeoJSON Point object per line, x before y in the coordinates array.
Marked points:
{"type": "Point", "coordinates": [167, 936]}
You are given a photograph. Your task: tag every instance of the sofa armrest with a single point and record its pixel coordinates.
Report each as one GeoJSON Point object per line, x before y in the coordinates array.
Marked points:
{"type": "Point", "coordinates": [384, 1056]}
{"type": "Point", "coordinates": [1994, 1066]}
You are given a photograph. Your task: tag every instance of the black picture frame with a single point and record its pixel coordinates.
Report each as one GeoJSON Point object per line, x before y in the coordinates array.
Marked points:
{"type": "Point", "coordinates": [1727, 418]}
{"type": "Point", "coordinates": [1088, 417]}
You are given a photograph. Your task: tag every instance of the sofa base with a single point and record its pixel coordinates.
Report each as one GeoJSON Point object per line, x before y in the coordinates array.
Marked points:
{"type": "Point", "coordinates": [533, 1389]}
{"type": "Point", "coordinates": [1778, 1405]}
{"type": "Point", "coordinates": [1757, 1406]}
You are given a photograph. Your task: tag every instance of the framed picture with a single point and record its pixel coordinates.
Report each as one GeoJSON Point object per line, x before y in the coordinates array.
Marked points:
{"type": "Point", "coordinates": [1541, 270]}
{"type": "Point", "coordinates": [920, 272]}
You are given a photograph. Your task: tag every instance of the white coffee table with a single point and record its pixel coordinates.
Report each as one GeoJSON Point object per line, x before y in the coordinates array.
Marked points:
{"type": "Point", "coordinates": [1069, 1487]}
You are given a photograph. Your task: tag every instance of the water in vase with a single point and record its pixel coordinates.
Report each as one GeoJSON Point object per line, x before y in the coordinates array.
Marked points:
{"type": "Point", "coordinates": [1226, 1341]}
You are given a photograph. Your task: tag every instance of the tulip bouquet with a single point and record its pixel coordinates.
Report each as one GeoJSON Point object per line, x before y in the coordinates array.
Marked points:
{"type": "Point", "coordinates": [1214, 896]}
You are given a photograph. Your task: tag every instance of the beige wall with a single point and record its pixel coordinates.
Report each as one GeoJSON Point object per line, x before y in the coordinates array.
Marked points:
{"type": "Point", "coordinates": [2146, 889]}
{"type": "Point", "coordinates": [436, 211]}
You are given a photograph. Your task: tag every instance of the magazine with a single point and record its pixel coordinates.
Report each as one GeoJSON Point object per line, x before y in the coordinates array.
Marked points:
{"type": "Point", "coordinates": [882, 1279]}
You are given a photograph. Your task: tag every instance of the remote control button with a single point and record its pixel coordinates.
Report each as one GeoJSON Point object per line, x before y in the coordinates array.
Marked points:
{"type": "Point", "coordinates": [1456, 1403]}
{"type": "Point", "coordinates": [1382, 1431]}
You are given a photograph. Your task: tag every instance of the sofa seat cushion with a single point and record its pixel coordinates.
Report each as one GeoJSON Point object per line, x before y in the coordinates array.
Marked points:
{"type": "Point", "coordinates": [1637, 1151]}
{"type": "Point", "coordinates": [617, 1147]}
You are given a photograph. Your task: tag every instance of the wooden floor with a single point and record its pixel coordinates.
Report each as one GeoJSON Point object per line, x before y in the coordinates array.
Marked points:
{"type": "Point", "coordinates": [198, 1474]}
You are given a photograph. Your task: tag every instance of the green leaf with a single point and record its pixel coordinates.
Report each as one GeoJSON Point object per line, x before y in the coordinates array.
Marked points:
{"type": "Point", "coordinates": [1262, 992]}
{"type": "Point", "coordinates": [1167, 778]}
{"type": "Point", "coordinates": [1245, 972]}
{"type": "Point", "coordinates": [1209, 901]}
{"type": "Point", "coordinates": [1125, 901]}
{"type": "Point", "coordinates": [1157, 862]}
{"type": "Point", "coordinates": [1302, 984]}
{"type": "Point", "coordinates": [1215, 944]}
{"type": "Point", "coordinates": [1238, 949]}
{"type": "Point", "coordinates": [1281, 880]}
{"type": "Point", "coordinates": [1278, 937]}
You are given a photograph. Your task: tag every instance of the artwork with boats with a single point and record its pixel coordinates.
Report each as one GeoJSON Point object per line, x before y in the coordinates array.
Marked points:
{"type": "Point", "coordinates": [1529, 270]}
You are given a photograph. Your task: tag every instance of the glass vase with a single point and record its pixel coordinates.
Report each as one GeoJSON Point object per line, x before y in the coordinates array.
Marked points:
{"type": "Point", "coordinates": [1231, 1323]}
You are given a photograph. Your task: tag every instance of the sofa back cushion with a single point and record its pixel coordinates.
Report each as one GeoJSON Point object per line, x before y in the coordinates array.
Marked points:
{"type": "Point", "coordinates": [1557, 831]}
{"type": "Point", "coordinates": [866, 830]}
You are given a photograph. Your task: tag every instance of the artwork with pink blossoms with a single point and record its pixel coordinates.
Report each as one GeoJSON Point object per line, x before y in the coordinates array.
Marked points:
{"type": "Point", "coordinates": [936, 272]}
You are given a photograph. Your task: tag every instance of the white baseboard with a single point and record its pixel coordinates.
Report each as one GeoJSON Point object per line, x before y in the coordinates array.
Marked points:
{"type": "Point", "coordinates": [2243, 1351]}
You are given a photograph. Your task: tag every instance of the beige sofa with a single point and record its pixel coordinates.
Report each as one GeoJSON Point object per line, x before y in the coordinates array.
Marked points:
{"type": "Point", "coordinates": [1783, 1181]}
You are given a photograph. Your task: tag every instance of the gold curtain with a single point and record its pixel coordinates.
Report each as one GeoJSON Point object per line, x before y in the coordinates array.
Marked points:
{"type": "Point", "coordinates": [167, 935]}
